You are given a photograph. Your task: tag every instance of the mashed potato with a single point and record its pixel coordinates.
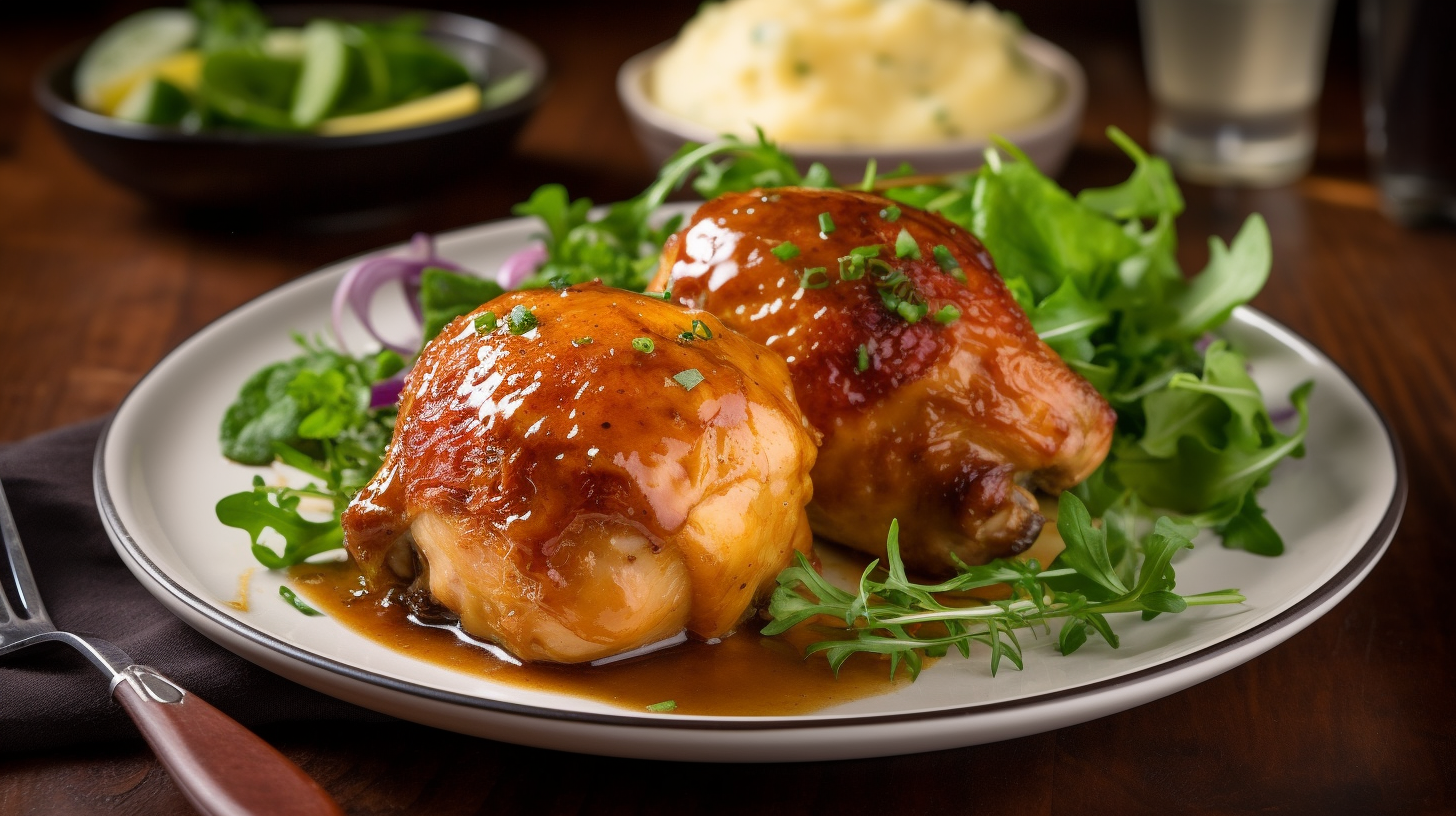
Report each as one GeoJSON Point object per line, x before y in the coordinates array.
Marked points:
{"type": "Point", "coordinates": [852, 72]}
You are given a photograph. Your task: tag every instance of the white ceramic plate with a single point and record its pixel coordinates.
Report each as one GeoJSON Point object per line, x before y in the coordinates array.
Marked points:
{"type": "Point", "coordinates": [158, 474]}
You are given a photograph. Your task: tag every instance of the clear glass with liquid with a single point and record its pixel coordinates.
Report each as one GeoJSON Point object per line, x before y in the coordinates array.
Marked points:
{"type": "Point", "coordinates": [1235, 84]}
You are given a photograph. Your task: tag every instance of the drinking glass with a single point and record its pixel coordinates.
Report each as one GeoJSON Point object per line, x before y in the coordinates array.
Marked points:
{"type": "Point", "coordinates": [1409, 57]}
{"type": "Point", "coordinates": [1235, 84]}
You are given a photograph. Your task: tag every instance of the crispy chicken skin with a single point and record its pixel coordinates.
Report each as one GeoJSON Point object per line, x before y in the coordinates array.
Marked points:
{"type": "Point", "coordinates": [570, 500]}
{"type": "Point", "coordinates": [949, 425]}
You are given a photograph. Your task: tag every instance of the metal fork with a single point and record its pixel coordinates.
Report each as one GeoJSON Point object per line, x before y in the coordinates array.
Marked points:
{"type": "Point", "coordinates": [221, 767]}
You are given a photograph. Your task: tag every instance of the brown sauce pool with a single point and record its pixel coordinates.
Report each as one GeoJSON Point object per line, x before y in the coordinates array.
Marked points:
{"type": "Point", "coordinates": [745, 675]}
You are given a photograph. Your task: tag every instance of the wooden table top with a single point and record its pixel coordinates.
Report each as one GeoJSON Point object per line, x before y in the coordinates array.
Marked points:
{"type": "Point", "coordinates": [1354, 714]}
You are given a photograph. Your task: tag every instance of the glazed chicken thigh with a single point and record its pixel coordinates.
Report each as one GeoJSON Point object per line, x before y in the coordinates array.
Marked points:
{"type": "Point", "coordinates": [945, 424]}
{"type": "Point", "coordinates": [617, 473]}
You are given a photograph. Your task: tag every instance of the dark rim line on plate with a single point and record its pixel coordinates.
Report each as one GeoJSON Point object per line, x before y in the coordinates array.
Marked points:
{"type": "Point", "coordinates": [1354, 569]}
{"type": "Point", "coordinates": [59, 106]}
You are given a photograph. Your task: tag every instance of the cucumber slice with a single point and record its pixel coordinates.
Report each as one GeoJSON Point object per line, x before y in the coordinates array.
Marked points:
{"type": "Point", "coordinates": [284, 43]}
{"type": "Point", "coordinates": [116, 59]}
{"type": "Point", "coordinates": [325, 68]}
{"type": "Point", "coordinates": [154, 102]}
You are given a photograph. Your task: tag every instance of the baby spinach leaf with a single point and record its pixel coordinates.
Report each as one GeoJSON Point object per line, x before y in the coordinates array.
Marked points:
{"type": "Point", "coordinates": [446, 295]}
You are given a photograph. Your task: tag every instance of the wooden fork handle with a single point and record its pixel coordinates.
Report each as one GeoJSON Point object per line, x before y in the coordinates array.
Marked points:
{"type": "Point", "coordinates": [222, 768]}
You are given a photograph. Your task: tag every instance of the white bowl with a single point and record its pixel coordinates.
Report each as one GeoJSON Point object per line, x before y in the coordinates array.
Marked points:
{"type": "Point", "coordinates": [1047, 141]}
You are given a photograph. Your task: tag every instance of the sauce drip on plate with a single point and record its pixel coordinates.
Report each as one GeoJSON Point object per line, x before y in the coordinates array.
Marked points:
{"type": "Point", "coordinates": [745, 674]}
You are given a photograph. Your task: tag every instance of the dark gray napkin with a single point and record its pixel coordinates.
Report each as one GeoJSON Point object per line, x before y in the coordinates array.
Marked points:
{"type": "Point", "coordinates": [49, 696]}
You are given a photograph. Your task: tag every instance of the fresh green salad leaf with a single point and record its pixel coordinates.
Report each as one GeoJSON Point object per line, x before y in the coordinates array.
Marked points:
{"type": "Point", "coordinates": [228, 24]}
{"type": "Point", "coordinates": [1099, 279]}
{"type": "Point", "coordinates": [276, 508]}
{"type": "Point", "coordinates": [622, 246]}
{"type": "Point", "coordinates": [906, 621]}
{"type": "Point", "coordinates": [446, 295]}
{"type": "Point", "coordinates": [312, 413]}
{"type": "Point", "coordinates": [1098, 276]}
{"type": "Point", "coordinates": [249, 88]}
{"type": "Point", "coordinates": [290, 79]}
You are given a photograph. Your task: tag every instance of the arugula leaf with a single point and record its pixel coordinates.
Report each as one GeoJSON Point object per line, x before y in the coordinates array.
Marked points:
{"type": "Point", "coordinates": [1036, 231]}
{"type": "Point", "coordinates": [1086, 545]}
{"type": "Point", "coordinates": [1149, 193]}
{"type": "Point", "coordinates": [274, 508]}
{"type": "Point", "coordinates": [1233, 276]}
{"type": "Point", "coordinates": [1249, 530]}
{"type": "Point", "coordinates": [891, 616]}
{"type": "Point", "coordinates": [1201, 474]}
{"type": "Point", "coordinates": [1066, 321]}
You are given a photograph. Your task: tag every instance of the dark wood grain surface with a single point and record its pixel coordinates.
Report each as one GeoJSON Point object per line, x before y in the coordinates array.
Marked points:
{"type": "Point", "coordinates": [1353, 715]}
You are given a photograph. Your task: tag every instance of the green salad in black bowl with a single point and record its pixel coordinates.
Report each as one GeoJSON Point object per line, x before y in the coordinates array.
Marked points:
{"type": "Point", "coordinates": [292, 109]}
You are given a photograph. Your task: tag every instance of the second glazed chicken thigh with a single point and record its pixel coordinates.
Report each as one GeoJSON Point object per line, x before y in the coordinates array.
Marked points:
{"type": "Point", "coordinates": [937, 402]}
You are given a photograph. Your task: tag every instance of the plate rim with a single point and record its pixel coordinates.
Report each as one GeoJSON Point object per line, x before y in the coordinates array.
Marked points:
{"type": "Point", "coordinates": [1337, 585]}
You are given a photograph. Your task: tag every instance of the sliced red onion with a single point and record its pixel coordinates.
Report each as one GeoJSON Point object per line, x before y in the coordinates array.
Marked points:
{"type": "Point", "coordinates": [386, 392]}
{"type": "Point", "coordinates": [356, 290]}
{"type": "Point", "coordinates": [1283, 415]}
{"type": "Point", "coordinates": [520, 265]}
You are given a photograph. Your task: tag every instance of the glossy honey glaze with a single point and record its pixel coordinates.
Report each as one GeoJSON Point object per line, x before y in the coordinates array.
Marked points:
{"type": "Point", "coordinates": [745, 674]}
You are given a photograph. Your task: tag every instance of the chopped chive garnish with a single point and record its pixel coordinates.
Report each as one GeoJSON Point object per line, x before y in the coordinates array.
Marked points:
{"type": "Point", "coordinates": [826, 223]}
{"type": "Point", "coordinates": [890, 213]}
{"type": "Point", "coordinates": [911, 312]}
{"type": "Point", "coordinates": [297, 602]}
{"type": "Point", "coordinates": [815, 277]}
{"type": "Point", "coordinates": [946, 260]}
{"type": "Point", "coordinates": [698, 331]}
{"type": "Point", "coordinates": [863, 363]}
{"type": "Point", "coordinates": [689, 378]}
{"type": "Point", "coordinates": [880, 269]}
{"type": "Point", "coordinates": [520, 320]}
{"type": "Point", "coordinates": [852, 266]}
{"type": "Point", "coordinates": [664, 706]}
{"type": "Point", "coordinates": [786, 251]}
{"type": "Point", "coordinates": [485, 323]}
{"type": "Point", "coordinates": [905, 246]}
{"type": "Point", "coordinates": [948, 313]}
{"type": "Point", "coordinates": [643, 344]}
{"type": "Point", "coordinates": [868, 184]}
{"type": "Point", "coordinates": [581, 341]}
{"type": "Point", "coordinates": [665, 294]}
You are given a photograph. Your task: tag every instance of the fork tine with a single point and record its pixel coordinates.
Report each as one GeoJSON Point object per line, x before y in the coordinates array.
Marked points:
{"type": "Point", "coordinates": [23, 582]}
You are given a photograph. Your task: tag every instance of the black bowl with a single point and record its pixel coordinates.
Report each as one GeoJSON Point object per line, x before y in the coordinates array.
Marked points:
{"type": "Point", "coordinates": [273, 173]}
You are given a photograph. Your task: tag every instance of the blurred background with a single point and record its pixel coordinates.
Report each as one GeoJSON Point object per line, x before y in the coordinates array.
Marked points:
{"type": "Point", "coordinates": [97, 285]}
{"type": "Point", "coordinates": [58, 217]}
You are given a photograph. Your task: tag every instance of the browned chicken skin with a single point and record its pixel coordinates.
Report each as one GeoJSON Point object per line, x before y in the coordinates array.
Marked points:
{"type": "Point", "coordinates": [948, 426]}
{"type": "Point", "coordinates": [569, 499]}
